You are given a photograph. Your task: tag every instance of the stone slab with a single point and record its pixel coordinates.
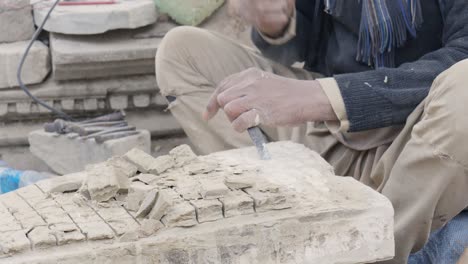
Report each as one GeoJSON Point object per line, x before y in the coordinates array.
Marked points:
{"type": "Point", "coordinates": [115, 53]}
{"type": "Point", "coordinates": [189, 12]}
{"type": "Point", "coordinates": [331, 220]}
{"type": "Point", "coordinates": [66, 155]}
{"type": "Point", "coordinates": [92, 19]}
{"type": "Point", "coordinates": [35, 69]}
{"type": "Point", "coordinates": [16, 21]}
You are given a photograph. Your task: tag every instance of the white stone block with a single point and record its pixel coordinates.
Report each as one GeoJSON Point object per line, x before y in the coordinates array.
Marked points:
{"type": "Point", "coordinates": [91, 19]}
{"type": "Point", "coordinates": [66, 155]}
{"type": "Point", "coordinates": [35, 69]}
{"type": "Point", "coordinates": [16, 21]}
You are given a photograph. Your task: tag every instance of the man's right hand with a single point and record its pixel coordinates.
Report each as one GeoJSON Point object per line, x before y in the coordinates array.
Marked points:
{"type": "Point", "coordinates": [271, 17]}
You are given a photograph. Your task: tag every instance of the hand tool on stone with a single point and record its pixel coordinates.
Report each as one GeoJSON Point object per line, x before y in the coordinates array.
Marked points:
{"type": "Point", "coordinates": [109, 131]}
{"type": "Point", "coordinates": [86, 131]}
{"type": "Point", "coordinates": [83, 2]}
{"type": "Point", "coordinates": [260, 142]}
{"type": "Point", "coordinates": [115, 135]}
{"type": "Point", "coordinates": [63, 127]}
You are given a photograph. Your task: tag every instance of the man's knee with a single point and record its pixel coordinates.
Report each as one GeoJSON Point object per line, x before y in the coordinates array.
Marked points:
{"type": "Point", "coordinates": [456, 77]}
{"type": "Point", "coordinates": [444, 123]}
{"type": "Point", "coordinates": [174, 54]}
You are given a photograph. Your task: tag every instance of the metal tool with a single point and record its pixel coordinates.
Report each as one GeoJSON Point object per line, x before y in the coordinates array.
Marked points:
{"type": "Point", "coordinates": [260, 142]}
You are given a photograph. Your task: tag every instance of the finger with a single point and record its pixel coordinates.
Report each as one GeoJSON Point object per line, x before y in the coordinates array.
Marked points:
{"type": "Point", "coordinates": [247, 120]}
{"type": "Point", "coordinates": [234, 92]}
{"type": "Point", "coordinates": [213, 107]}
{"type": "Point", "coordinates": [272, 19]}
{"type": "Point", "coordinates": [237, 107]}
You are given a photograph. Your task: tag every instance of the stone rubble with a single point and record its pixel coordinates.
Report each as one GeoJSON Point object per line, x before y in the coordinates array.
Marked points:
{"type": "Point", "coordinates": [289, 207]}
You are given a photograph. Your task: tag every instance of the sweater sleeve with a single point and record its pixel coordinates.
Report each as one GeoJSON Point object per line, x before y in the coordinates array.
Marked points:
{"type": "Point", "coordinates": [387, 96]}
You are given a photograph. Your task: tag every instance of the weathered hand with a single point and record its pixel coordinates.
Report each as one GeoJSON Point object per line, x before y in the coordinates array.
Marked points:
{"type": "Point", "coordinates": [269, 16]}
{"type": "Point", "coordinates": [255, 97]}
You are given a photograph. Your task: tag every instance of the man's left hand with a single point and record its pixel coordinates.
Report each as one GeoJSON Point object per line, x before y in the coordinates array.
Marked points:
{"type": "Point", "coordinates": [254, 97]}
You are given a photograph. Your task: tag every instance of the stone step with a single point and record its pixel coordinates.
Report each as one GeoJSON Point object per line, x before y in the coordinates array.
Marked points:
{"type": "Point", "coordinates": [16, 21]}
{"type": "Point", "coordinates": [35, 69]}
{"type": "Point", "coordinates": [82, 96]}
{"type": "Point", "coordinates": [116, 53]}
{"type": "Point", "coordinates": [95, 19]}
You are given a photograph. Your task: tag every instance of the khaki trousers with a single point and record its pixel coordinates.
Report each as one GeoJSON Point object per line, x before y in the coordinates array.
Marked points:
{"type": "Point", "coordinates": [421, 167]}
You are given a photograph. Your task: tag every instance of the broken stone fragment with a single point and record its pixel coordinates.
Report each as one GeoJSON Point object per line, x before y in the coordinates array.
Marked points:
{"type": "Point", "coordinates": [66, 183]}
{"type": "Point", "coordinates": [145, 178]}
{"type": "Point", "coordinates": [208, 210]}
{"type": "Point", "coordinates": [200, 167]}
{"type": "Point", "coordinates": [41, 237]}
{"type": "Point", "coordinates": [142, 160]}
{"type": "Point", "coordinates": [266, 201]}
{"type": "Point", "coordinates": [181, 214]}
{"type": "Point", "coordinates": [129, 236]}
{"type": "Point", "coordinates": [239, 181]}
{"type": "Point", "coordinates": [237, 203]}
{"type": "Point", "coordinates": [161, 164]}
{"type": "Point", "coordinates": [149, 227]}
{"type": "Point", "coordinates": [136, 194]}
{"type": "Point", "coordinates": [182, 155]}
{"type": "Point", "coordinates": [164, 201]}
{"type": "Point", "coordinates": [212, 188]}
{"type": "Point", "coordinates": [148, 204]}
{"type": "Point", "coordinates": [124, 166]}
{"type": "Point", "coordinates": [102, 183]}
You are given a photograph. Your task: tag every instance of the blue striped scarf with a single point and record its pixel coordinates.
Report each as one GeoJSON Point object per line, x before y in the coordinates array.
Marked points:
{"type": "Point", "coordinates": [385, 26]}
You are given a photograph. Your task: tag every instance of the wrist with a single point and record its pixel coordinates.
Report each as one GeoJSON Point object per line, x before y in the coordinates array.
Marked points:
{"type": "Point", "coordinates": [317, 104]}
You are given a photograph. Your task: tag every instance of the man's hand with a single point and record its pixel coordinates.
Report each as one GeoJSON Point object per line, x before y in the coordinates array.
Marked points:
{"type": "Point", "coordinates": [255, 97]}
{"type": "Point", "coordinates": [270, 17]}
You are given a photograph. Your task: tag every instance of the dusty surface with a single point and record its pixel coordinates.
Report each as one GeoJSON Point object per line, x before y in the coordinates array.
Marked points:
{"type": "Point", "coordinates": [16, 22]}
{"type": "Point", "coordinates": [289, 209]}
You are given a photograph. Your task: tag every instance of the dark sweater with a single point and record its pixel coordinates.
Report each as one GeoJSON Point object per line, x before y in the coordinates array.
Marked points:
{"type": "Point", "coordinates": [375, 97]}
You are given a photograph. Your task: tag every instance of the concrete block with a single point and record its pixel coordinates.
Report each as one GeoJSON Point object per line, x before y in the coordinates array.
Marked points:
{"type": "Point", "coordinates": [89, 20]}
{"type": "Point", "coordinates": [189, 12]}
{"type": "Point", "coordinates": [66, 155]}
{"type": "Point", "coordinates": [35, 69]}
{"type": "Point", "coordinates": [331, 220]}
{"type": "Point", "coordinates": [16, 21]}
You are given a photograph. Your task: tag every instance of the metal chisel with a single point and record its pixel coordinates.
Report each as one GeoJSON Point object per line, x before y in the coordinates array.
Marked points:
{"type": "Point", "coordinates": [260, 142]}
